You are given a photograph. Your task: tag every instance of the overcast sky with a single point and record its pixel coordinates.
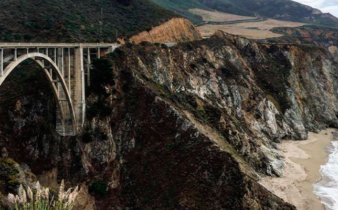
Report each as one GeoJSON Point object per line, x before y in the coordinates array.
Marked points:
{"type": "Point", "coordinates": [330, 6]}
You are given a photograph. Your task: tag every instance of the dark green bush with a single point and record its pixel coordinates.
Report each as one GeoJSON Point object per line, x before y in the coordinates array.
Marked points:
{"type": "Point", "coordinates": [27, 36]}
{"type": "Point", "coordinates": [17, 36]}
{"type": "Point", "coordinates": [101, 75]}
{"type": "Point", "coordinates": [99, 189]}
{"type": "Point", "coordinates": [8, 175]}
{"type": "Point", "coordinates": [8, 38]}
{"type": "Point", "coordinates": [87, 136]}
{"type": "Point", "coordinates": [98, 109]}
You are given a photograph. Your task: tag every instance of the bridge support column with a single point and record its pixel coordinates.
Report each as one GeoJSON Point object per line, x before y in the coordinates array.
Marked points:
{"type": "Point", "coordinates": [88, 66]}
{"type": "Point", "coordinates": [79, 89]}
{"type": "Point", "coordinates": [55, 55]}
{"type": "Point", "coordinates": [69, 74]}
{"type": "Point", "coordinates": [15, 54]}
{"type": "Point", "coordinates": [2, 62]}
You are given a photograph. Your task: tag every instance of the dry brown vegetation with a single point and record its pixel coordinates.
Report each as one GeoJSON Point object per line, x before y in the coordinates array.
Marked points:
{"type": "Point", "coordinates": [251, 30]}
{"type": "Point", "coordinates": [215, 16]}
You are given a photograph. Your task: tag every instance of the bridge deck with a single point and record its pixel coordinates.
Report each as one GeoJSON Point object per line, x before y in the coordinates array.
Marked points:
{"type": "Point", "coordinates": [58, 45]}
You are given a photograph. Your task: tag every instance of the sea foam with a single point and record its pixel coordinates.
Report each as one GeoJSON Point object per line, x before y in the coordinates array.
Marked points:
{"type": "Point", "coordinates": [327, 188]}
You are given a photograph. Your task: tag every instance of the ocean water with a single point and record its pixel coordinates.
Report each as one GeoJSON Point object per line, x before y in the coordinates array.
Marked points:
{"type": "Point", "coordinates": [327, 188]}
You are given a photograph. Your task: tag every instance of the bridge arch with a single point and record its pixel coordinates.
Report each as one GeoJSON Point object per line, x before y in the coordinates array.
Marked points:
{"type": "Point", "coordinates": [41, 59]}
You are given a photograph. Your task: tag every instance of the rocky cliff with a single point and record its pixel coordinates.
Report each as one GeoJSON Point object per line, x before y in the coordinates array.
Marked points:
{"type": "Point", "coordinates": [259, 92]}
{"type": "Point", "coordinates": [315, 35]}
{"type": "Point", "coordinates": [174, 30]}
{"type": "Point", "coordinates": [186, 127]}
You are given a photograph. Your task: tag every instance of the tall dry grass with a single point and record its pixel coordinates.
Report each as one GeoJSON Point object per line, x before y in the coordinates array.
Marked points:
{"type": "Point", "coordinates": [40, 198]}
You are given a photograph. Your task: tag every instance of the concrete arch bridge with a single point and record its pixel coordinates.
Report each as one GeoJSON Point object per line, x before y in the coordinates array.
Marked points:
{"type": "Point", "coordinates": [67, 67]}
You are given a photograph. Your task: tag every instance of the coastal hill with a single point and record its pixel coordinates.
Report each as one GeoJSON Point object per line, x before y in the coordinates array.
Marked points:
{"type": "Point", "coordinates": [186, 127]}
{"type": "Point", "coordinates": [77, 20]}
{"type": "Point", "coordinates": [193, 126]}
{"type": "Point", "coordinates": [277, 9]}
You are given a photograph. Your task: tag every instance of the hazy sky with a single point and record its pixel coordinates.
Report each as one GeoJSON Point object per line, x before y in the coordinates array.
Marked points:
{"type": "Point", "coordinates": [330, 6]}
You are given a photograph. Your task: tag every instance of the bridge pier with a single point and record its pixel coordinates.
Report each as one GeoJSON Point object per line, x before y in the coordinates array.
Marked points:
{"type": "Point", "coordinates": [79, 89]}
{"type": "Point", "coordinates": [64, 65]}
{"type": "Point", "coordinates": [2, 62]}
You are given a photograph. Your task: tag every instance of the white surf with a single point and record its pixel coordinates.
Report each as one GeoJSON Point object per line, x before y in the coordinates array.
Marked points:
{"type": "Point", "coordinates": [327, 188]}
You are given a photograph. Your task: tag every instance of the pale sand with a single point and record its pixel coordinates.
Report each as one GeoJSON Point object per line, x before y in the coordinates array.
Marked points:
{"type": "Point", "coordinates": [250, 30]}
{"type": "Point", "coordinates": [303, 159]}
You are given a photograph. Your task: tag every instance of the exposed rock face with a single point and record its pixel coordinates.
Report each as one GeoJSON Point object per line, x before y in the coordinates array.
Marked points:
{"type": "Point", "coordinates": [334, 51]}
{"type": "Point", "coordinates": [315, 35]}
{"type": "Point", "coordinates": [174, 30]}
{"type": "Point", "coordinates": [234, 92]}
{"type": "Point", "coordinates": [187, 127]}
{"type": "Point", "coordinates": [164, 155]}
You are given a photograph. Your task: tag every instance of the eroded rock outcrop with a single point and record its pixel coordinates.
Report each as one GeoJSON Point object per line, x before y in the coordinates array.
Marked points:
{"type": "Point", "coordinates": [252, 94]}
{"type": "Point", "coordinates": [240, 95]}
{"type": "Point", "coordinates": [166, 153]}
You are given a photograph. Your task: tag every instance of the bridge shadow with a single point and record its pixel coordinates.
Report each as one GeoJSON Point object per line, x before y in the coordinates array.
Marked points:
{"type": "Point", "coordinates": [28, 107]}
{"type": "Point", "coordinates": [28, 119]}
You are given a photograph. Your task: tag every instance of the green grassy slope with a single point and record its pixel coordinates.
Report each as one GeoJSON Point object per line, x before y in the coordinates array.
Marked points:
{"type": "Point", "coordinates": [77, 20]}
{"type": "Point", "coordinates": [228, 6]}
{"type": "Point", "coordinates": [286, 10]}
{"type": "Point", "coordinates": [277, 9]}
{"type": "Point", "coordinates": [182, 7]}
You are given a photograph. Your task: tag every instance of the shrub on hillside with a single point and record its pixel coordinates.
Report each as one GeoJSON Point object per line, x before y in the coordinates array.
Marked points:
{"type": "Point", "coordinates": [101, 75]}
{"type": "Point", "coordinates": [99, 189]}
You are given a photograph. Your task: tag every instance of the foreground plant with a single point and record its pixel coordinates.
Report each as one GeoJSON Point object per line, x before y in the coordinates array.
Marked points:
{"type": "Point", "coordinates": [41, 198]}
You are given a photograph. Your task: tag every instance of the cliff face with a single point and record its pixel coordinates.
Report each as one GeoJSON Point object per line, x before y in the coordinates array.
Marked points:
{"type": "Point", "coordinates": [174, 30]}
{"type": "Point", "coordinates": [315, 35]}
{"type": "Point", "coordinates": [187, 127]}
{"type": "Point", "coordinates": [236, 96]}
{"type": "Point", "coordinates": [252, 94]}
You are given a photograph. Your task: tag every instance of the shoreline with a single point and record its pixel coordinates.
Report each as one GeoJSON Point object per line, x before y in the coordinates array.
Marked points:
{"type": "Point", "coordinates": [303, 159]}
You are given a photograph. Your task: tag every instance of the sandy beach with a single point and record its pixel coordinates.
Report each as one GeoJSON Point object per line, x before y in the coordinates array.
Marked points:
{"type": "Point", "coordinates": [303, 159]}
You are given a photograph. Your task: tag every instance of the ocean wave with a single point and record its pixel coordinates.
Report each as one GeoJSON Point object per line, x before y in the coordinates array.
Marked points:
{"type": "Point", "coordinates": [327, 188]}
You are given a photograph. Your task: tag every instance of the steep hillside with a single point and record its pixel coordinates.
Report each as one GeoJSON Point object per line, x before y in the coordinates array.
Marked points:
{"type": "Point", "coordinates": [77, 20]}
{"type": "Point", "coordinates": [187, 127]}
{"type": "Point", "coordinates": [277, 9]}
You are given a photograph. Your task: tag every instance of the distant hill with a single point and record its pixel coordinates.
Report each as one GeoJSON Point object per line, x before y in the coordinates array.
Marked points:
{"type": "Point", "coordinates": [77, 20]}
{"type": "Point", "coordinates": [277, 9]}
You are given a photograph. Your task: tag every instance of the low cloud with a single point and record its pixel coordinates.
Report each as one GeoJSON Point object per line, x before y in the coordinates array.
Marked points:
{"type": "Point", "coordinates": [330, 6]}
